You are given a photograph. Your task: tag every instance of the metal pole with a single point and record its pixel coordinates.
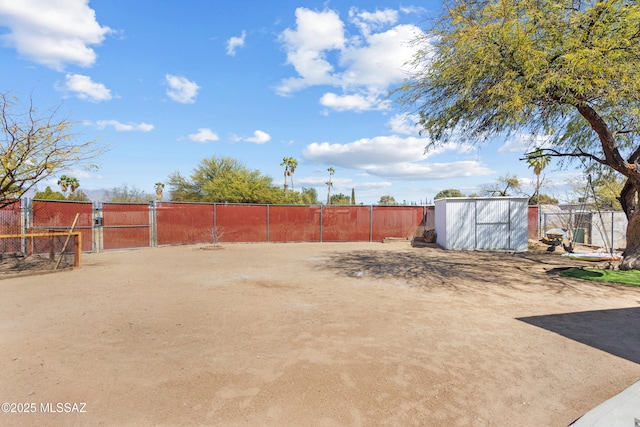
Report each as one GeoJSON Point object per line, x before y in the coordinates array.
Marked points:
{"type": "Point", "coordinates": [215, 224]}
{"type": "Point", "coordinates": [370, 223]}
{"type": "Point", "coordinates": [320, 223]}
{"type": "Point", "coordinates": [612, 224]}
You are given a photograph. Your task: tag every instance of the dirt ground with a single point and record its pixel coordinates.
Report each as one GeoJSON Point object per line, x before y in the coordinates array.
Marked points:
{"type": "Point", "coordinates": [313, 334]}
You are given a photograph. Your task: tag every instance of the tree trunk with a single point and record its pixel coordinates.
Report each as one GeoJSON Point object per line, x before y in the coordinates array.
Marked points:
{"type": "Point", "coordinates": [629, 202]}
{"type": "Point", "coordinates": [285, 182]}
{"type": "Point", "coordinates": [629, 194]}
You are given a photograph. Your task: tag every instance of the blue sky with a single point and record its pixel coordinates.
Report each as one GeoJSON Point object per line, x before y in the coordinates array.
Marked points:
{"type": "Point", "coordinates": [169, 83]}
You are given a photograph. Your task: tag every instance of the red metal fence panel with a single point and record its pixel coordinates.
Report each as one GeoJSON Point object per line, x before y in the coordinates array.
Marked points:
{"type": "Point", "coordinates": [125, 225]}
{"type": "Point", "coordinates": [346, 223]}
{"type": "Point", "coordinates": [57, 215]}
{"type": "Point", "coordinates": [184, 223]}
{"type": "Point", "coordinates": [134, 225]}
{"type": "Point", "coordinates": [533, 222]}
{"type": "Point", "coordinates": [241, 223]}
{"type": "Point", "coordinates": [397, 221]}
{"type": "Point", "coordinates": [11, 223]}
{"type": "Point", "coordinates": [294, 223]}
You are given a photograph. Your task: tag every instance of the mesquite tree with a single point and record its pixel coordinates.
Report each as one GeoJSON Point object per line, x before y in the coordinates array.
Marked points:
{"type": "Point", "coordinates": [35, 146]}
{"type": "Point", "coordinates": [565, 69]}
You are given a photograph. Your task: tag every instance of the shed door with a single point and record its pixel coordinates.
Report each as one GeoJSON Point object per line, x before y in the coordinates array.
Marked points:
{"type": "Point", "coordinates": [461, 218]}
{"type": "Point", "coordinates": [493, 224]}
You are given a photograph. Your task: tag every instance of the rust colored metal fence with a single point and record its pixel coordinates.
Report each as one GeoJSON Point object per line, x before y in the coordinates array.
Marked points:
{"type": "Point", "coordinates": [183, 223]}
{"type": "Point", "coordinates": [533, 219]}
{"type": "Point", "coordinates": [294, 223]}
{"type": "Point", "coordinates": [109, 226]}
{"type": "Point", "coordinates": [54, 215]}
{"type": "Point", "coordinates": [125, 225]}
{"type": "Point", "coordinates": [11, 222]}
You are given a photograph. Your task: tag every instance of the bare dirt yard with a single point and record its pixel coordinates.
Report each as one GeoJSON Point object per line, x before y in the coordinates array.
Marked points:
{"type": "Point", "coordinates": [313, 334]}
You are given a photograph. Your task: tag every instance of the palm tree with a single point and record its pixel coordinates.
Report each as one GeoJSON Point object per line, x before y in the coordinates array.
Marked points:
{"type": "Point", "coordinates": [290, 165]}
{"type": "Point", "coordinates": [538, 161]}
{"type": "Point", "coordinates": [159, 187]}
{"type": "Point", "coordinates": [63, 182]}
{"type": "Point", "coordinates": [287, 172]}
{"type": "Point", "coordinates": [331, 171]}
{"type": "Point", "coordinates": [73, 184]}
{"type": "Point", "coordinates": [293, 164]}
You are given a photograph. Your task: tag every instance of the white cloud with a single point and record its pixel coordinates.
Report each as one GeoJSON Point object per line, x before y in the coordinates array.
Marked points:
{"type": "Point", "coordinates": [125, 127]}
{"type": "Point", "coordinates": [204, 135]}
{"type": "Point", "coordinates": [363, 66]}
{"type": "Point", "coordinates": [52, 32]}
{"type": "Point", "coordinates": [395, 157]}
{"type": "Point", "coordinates": [405, 124]}
{"type": "Point", "coordinates": [85, 88]}
{"type": "Point", "coordinates": [427, 171]}
{"type": "Point", "coordinates": [307, 46]}
{"type": "Point", "coordinates": [523, 143]}
{"type": "Point", "coordinates": [181, 89]}
{"type": "Point", "coordinates": [367, 21]}
{"type": "Point", "coordinates": [259, 137]}
{"type": "Point", "coordinates": [355, 102]}
{"type": "Point", "coordinates": [234, 43]}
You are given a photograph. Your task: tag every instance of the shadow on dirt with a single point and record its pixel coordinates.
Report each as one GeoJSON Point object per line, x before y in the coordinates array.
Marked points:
{"type": "Point", "coordinates": [612, 331]}
{"type": "Point", "coordinates": [433, 268]}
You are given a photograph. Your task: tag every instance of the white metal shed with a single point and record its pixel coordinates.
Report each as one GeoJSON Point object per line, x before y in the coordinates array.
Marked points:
{"type": "Point", "coordinates": [492, 223]}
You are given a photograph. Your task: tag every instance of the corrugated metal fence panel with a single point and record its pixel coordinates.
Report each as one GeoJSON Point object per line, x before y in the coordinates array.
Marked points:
{"type": "Point", "coordinates": [241, 223]}
{"type": "Point", "coordinates": [397, 221]}
{"type": "Point", "coordinates": [11, 223]}
{"type": "Point", "coordinates": [294, 223]}
{"type": "Point", "coordinates": [59, 215]}
{"type": "Point", "coordinates": [184, 223]}
{"type": "Point", "coordinates": [346, 223]}
{"type": "Point", "coordinates": [125, 225]}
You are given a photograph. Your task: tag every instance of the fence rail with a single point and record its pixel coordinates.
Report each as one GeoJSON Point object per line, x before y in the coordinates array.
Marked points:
{"type": "Point", "coordinates": [110, 226]}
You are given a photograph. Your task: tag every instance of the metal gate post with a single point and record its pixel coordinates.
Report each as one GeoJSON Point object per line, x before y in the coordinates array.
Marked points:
{"type": "Point", "coordinates": [26, 219]}
{"type": "Point", "coordinates": [96, 229]}
{"type": "Point", "coordinates": [153, 226]}
{"type": "Point", "coordinates": [612, 224]}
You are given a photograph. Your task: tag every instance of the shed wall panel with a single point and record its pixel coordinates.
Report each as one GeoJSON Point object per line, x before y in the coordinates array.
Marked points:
{"type": "Point", "coordinates": [461, 226]}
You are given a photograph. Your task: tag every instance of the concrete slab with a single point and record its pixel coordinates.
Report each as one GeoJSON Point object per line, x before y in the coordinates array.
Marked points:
{"type": "Point", "coordinates": [622, 410]}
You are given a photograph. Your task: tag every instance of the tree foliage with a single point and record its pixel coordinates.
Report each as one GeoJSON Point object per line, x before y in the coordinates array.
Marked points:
{"type": "Point", "coordinates": [451, 192]}
{"type": "Point", "coordinates": [563, 68]}
{"type": "Point", "coordinates": [507, 185]}
{"type": "Point", "coordinates": [224, 179]}
{"type": "Point", "coordinates": [340, 199]}
{"type": "Point", "coordinates": [387, 200]}
{"type": "Point", "coordinates": [35, 146]}
{"type": "Point", "coordinates": [124, 194]}
{"type": "Point", "coordinates": [49, 194]}
{"type": "Point", "coordinates": [600, 189]}
{"type": "Point", "coordinates": [542, 199]}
